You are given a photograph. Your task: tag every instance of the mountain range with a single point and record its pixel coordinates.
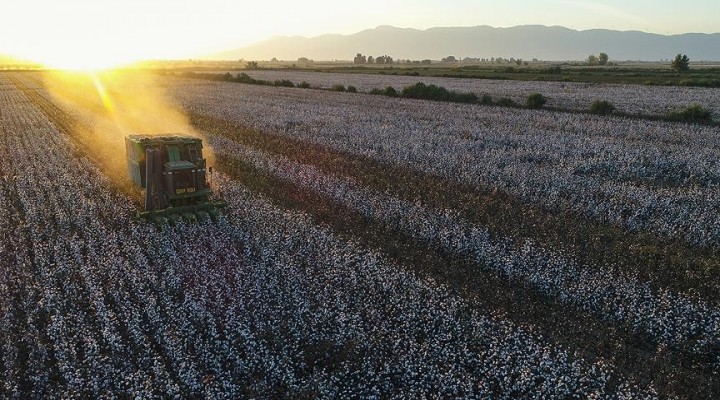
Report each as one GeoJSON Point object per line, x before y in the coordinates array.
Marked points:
{"type": "Point", "coordinates": [551, 43]}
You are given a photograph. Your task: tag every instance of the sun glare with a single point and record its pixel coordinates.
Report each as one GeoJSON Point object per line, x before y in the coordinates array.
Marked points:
{"type": "Point", "coordinates": [88, 36]}
{"type": "Point", "coordinates": [82, 65]}
{"type": "Point", "coordinates": [74, 55]}
{"type": "Point", "coordinates": [82, 57]}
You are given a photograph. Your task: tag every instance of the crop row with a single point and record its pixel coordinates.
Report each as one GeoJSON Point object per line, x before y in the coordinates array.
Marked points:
{"type": "Point", "coordinates": [264, 303]}
{"type": "Point", "coordinates": [669, 319]}
{"type": "Point", "coordinates": [640, 175]}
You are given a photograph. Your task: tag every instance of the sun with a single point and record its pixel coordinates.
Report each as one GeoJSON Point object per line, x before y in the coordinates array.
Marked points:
{"type": "Point", "coordinates": [102, 34]}
{"type": "Point", "coordinates": [83, 54]}
{"type": "Point", "coordinates": [81, 64]}
{"type": "Point", "coordinates": [73, 54]}
{"type": "Point", "coordinates": [86, 35]}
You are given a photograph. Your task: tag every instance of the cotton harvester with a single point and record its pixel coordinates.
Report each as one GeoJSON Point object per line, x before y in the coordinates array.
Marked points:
{"type": "Point", "coordinates": [173, 172]}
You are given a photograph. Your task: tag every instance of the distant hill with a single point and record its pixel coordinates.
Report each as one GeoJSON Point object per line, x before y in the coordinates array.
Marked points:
{"type": "Point", "coordinates": [525, 42]}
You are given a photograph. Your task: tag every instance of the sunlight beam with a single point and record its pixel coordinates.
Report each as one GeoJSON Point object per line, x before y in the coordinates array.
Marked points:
{"type": "Point", "coordinates": [107, 102]}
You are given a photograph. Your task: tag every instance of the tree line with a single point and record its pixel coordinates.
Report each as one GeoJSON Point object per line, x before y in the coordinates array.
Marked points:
{"type": "Point", "coordinates": [679, 64]}
{"type": "Point", "coordinates": [362, 59]}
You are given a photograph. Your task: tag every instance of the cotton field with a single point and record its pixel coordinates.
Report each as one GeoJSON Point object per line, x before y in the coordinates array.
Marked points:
{"type": "Point", "coordinates": [281, 298]}
{"type": "Point", "coordinates": [630, 99]}
{"type": "Point", "coordinates": [641, 175]}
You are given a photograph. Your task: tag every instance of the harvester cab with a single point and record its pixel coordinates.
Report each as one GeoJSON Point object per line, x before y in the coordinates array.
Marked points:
{"type": "Point", "coordinates": [173, 172]}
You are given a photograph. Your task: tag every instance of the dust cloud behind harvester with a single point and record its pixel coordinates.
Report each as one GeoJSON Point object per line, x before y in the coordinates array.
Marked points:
{"type": "Point", "coordinates": [110, 105]}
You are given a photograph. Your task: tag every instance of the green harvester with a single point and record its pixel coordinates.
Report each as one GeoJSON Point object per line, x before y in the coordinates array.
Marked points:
{"type": "Point", "coordinates": [173, 173]}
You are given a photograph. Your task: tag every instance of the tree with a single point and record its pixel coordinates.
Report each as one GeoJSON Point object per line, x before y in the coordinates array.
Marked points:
{"type": "Point", "coordinates": [592, 59]}
{"type": "Point", "coordinates": [383, 60]}
{"type": "Point", "coordinates": [603, 59]}
{"type": "Point", "coordinates": [600, 59]}
{"type": "Point", "coordinates": [450, 59]}
{"type": "Point", "coordinates": [360, 59]}
{"type": "Point", "coordinates": [370, 59]}
{"type": "Point", "coordinates": [681, 63]}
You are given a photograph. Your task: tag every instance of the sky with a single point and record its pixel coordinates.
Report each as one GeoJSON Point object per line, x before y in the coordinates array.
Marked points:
{"type": "Point", "coordinates": [80, 33]}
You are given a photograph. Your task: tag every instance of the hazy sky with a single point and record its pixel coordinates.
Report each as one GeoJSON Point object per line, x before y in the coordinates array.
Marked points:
{"type": "Point", "coordinates": [118, 31]}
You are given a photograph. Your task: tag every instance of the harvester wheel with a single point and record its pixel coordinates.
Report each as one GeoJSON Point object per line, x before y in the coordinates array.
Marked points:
{"type": "Point", "coordinates": [214, 214]}
{"type": "Point", "coordinates": [202, 215]}
{"type": "Point", "coordinates": [174, 219]}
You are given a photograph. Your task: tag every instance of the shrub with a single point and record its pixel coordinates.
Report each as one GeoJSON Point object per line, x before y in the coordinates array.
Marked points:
{"type": "Point", "coordinates": [700, 82]}
{"type": "Point", "coordinates": [439, 93]}
{"type": "Point", "coordinates": [377, 91]}
{"type": "Point", "coordinates": [303, 85]}
{"type": "Point", "coordinates": [469, 98]}
{"type": "Point", "coordinates": [338, 88]}
{"type": "Point", "coordinates": [536, 101]}
{"type": "Point", "coordinates": [351, 89]}
{"type": "Point", "coordinates": [602, 107]}
{"type": "Point", "coordinates": [390, 91]}
{"type": "Point", "coordinates": [285, 83]}
{"type": "Point", "coordinates": [244, 78]}
{"type": "Point", "coordinates": [505, 102]}
{"type": "Point", "coordinates": [554, 70]}
{"type": "Point", "coordinates": [692, 113]}
{"type": "Point", "coordinates": [486, 99]}
{"type": "Point", "coordinates": [423, 91]}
